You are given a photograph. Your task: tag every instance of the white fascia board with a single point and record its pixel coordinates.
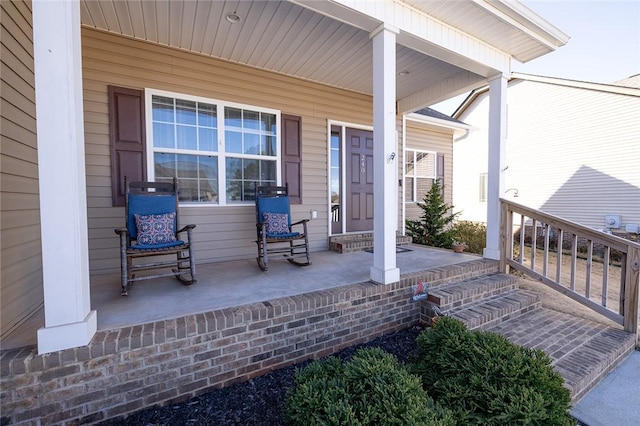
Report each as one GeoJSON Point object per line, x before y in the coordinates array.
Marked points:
{"type": "Point", "coordinates": [458, 128]}
{"type": "Point", "coordinates": [525, 19]}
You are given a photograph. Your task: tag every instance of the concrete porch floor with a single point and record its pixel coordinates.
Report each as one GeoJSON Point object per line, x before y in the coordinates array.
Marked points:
{"type": "Point", "coordinates": [233, 283]}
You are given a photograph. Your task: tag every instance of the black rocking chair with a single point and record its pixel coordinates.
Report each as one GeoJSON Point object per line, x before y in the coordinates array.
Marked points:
{"type": "Point", "coordinates": [151, 211]}
{"type": "Point", "coordinates": [275, 234]}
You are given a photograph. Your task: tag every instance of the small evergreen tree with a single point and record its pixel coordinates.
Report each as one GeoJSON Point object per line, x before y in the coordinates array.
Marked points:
{"type": "Point", "coordinates": [434, 228]}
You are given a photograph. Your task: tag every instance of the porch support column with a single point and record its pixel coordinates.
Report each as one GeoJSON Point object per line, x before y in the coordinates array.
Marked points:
{"type": "Point", "coordinates": [69, 321]}
{"type": "Point", "coordinates": [385, 204]}
{"type": "Point", "coordinates": [497, 155]}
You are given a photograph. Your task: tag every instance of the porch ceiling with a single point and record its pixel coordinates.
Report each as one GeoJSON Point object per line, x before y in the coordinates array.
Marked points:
{"type": "Point", "coordinates": [326, 42]}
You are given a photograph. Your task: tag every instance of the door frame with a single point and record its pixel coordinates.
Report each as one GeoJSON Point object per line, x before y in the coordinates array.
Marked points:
{"type": "Point", "coordinates": [343, 172]}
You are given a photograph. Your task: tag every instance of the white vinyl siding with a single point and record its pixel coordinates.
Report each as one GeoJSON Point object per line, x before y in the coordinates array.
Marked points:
{"type": "Point", "coordinates": [571, 151]}
{"type": "Point", "coordinates": [222, 232]}
{"type": "Point", "coordinates": [21, 253]}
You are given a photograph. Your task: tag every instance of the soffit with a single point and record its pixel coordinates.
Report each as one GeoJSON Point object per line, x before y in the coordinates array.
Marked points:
{"type": "Point", "coordinates": [290, 39]}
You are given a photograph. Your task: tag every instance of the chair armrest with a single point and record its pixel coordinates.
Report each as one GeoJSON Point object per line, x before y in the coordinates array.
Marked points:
{"type": "Point", "coordinates": [300, 222]}
{"type": "Point", "coordinates": [121, 231]}
{"type": "Point", "coordinates": [186, 228]}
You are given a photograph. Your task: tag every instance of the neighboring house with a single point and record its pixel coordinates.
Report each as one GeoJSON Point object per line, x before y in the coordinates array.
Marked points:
{"type": "Point", "coordinates": [314, 94]}
{"type": "Point", "coordinates": [572, 150]}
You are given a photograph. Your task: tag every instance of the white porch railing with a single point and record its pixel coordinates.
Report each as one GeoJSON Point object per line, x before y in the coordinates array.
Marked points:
{"type": "Point", "coordinates": [599, 270]}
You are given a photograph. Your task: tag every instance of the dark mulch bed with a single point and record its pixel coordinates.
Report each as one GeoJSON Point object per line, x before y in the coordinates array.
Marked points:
{"type": "Point", "coordinates": [257, 402]}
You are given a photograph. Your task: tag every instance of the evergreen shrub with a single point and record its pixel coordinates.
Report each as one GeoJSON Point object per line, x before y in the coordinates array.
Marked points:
{"type": "Point", "coordinates": [434, 228]}
{"type": "Point", "coordinates": [372, 389]}
{"type": "Point", "coordinates": [487, 380]}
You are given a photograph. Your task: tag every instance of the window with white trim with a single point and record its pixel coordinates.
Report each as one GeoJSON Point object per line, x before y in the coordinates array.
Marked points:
{"type": "Point", "coordinates": [217, 150]}
{"type": "Point", "coordinates": [419, 174]}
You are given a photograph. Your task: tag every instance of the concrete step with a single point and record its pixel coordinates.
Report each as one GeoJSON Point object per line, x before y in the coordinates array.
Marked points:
{"type": "Point", "coordinates": [359, 242]}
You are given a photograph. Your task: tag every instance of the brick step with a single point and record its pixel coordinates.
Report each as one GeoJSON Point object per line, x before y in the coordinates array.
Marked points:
{"type": "Point", "coordinates": [493, 310]}
{"type": "Point", "coordinates": [359, 242]}
{"type": "Point", "coordinates": [582, 351]}
{"type": "Point", "coordinates": [470, 290]}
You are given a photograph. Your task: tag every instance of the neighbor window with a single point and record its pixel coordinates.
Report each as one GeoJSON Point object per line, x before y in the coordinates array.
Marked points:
{"type": "Point", "coordinates": [419, 174]}
{"type": "Point", "coordinates": [218, 151]}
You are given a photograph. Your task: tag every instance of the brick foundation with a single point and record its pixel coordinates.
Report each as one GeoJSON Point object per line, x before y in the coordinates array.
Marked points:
{"type": "Point", "coordinates": [124, 370]}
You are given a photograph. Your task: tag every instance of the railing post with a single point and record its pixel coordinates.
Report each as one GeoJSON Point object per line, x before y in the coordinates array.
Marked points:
{"type": "Point", "coordinates": [506, 228]}
{"type": "Point", "coordinates": [631, 289]}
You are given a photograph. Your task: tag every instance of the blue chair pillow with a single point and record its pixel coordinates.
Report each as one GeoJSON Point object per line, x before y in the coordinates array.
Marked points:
{"type": "Point", "coordinates": [155, 228]}
{"type": "Point", "coordinates": [277, 223]}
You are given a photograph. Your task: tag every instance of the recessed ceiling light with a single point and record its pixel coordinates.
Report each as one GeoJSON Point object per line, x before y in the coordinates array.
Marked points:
{"type": "Point", "coordinates": [233, 18]}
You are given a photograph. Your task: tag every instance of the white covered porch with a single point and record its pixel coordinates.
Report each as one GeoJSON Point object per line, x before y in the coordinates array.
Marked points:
{"type": "Point", "coordinates": [443, 48]}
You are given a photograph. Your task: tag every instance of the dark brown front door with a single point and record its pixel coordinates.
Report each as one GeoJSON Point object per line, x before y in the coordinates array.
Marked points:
{"type": "Point", "coordinates": [359, 150]}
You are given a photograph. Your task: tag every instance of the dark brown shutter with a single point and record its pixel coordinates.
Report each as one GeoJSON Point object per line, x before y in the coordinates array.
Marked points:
{"type": "Point", "coordinates": [292, 156]}
{"type": "Point", "coordinates": [126, 139]}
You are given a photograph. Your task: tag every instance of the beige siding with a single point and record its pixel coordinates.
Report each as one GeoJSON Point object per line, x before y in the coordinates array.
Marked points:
{"type": "Point", "coordinates": [571, 152]}
{"type": "Point", "coordinates": [419, 137]}
{"type": "Point", "coordinates": [21, 256]}
{"type": "Point", "coordinates": [223, 232]}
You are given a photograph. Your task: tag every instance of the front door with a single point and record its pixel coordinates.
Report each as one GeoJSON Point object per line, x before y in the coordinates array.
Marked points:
{"type": "Point", "coordinates": [359, 172]}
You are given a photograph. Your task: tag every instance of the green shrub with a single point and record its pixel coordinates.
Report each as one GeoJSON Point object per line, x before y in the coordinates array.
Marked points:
{"type": "Point", "coordinates": [487, 380]}
{"type": "Point", "coordinates": [474, 234]}
{"type": "Point", "coordinates": [434, 226]}
{"type": "Point", "coordinates": [371, 389]}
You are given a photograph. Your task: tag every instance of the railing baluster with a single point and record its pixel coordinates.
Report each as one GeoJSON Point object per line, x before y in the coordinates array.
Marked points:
{"type": "Point", "coordinates": [545, 264]}
{"type": "Point", "coordinates": [534, 243]}
{"type": "Point", "coordinates": [587, 284]}
{"type": "Point", "coordinates": [559, 256]}
{"type": "Point", "coordinates": [523, 230]}
{"type": "Point", "coordinates": [574, 260]}
{"type": "Point", "coordinates": [605, 274]}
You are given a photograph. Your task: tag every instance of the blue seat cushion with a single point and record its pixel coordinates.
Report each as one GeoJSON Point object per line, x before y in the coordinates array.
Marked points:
{"type": "Point", "coordinates": [175, 243]}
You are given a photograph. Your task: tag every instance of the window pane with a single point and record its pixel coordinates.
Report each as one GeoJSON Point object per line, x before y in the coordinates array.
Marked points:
{"type": "Point", "coordinates": [269, 123]}
{"type": "Point", "coordinates": [185, 112]}
{"type": "Point", "coordinates": [165, 165]}
{"type": "Point", "coordinates": [162, 109]}
{"type": "Point", "coordinates": [207, 115]}
{"type": "Point", "coordinates": [233, 141]}
{"type": "Point", "coordinates": [187, 166]}
{"type": "Point", "coordinates": [268, 171]}
{"type": "Point", "coordinates": [335, 158]}
{"type": "Point", "coordinates": [409, 163]}
{"type": "Point", "coordinates": [163, 136]}
{"type": "Point", "coordinates": [234, 168]}
{"type": "Point", "coordinates": [208, 139]}
{"type": "Point", "coordinates": [251, 143]}
{"type": "Point", "coordinates": [208, 168]}
{"type": "Point", "coordinates": [234, 190]}
{"type": "Point", "coordinates": [187, 138]}
{"type": "Point", "coordinates": [423, 187]}
{"type": "Point", "coordinates": [425, 165]}
{"type": "Point", "coordinates": [270, 146]}
{"type": "Point", "coordinates": [251, 120]}
{"type": "Point", "coordinates": [233, 117]}
{"type": "Point", "coordinates": [250, 169]}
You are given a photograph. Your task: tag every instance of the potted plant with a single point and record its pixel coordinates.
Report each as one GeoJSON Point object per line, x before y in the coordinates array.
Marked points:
{"type": "Point", "coordinates": [458, 246]}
